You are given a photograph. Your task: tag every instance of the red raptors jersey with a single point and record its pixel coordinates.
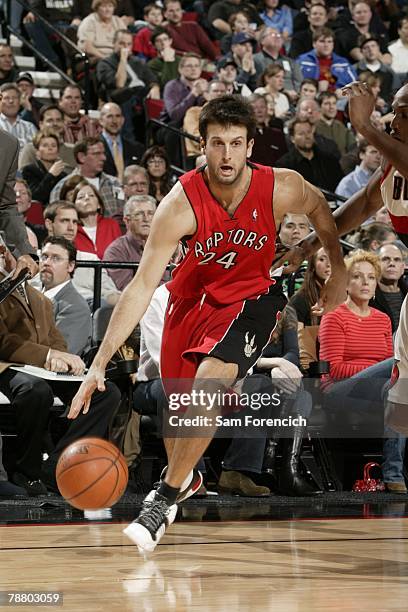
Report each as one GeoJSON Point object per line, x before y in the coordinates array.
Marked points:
{"type": "Point", "coordinates": [394, 192]}
{"type": "Point", "coordinates": [228, 258]}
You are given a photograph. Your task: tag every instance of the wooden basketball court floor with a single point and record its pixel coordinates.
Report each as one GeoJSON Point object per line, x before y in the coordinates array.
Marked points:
{"type": "Point", "coordinates": [312, 565]}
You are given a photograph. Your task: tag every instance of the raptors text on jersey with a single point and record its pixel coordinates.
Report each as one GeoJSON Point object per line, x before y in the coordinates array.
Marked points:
{"type": "Point", "coordinates": [228, 259]}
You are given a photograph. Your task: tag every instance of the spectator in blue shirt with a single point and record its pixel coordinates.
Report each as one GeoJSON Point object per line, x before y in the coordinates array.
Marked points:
{"type": "Point", "coordinates": [369, 162]}
{"type": "Point", "coordinates": [330, 70]}
{"type": "Point", "coordinates": [279, 17]}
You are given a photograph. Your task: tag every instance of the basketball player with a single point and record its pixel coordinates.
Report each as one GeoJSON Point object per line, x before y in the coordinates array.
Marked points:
{"type": "Point", "coordinates": [388, 186]}
{"type": "Point", "coordinates": [223, 303]}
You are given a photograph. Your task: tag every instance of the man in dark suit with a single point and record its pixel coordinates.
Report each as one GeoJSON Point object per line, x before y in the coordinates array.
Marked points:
{"type": "Point", "coordinates": [29, 336]}
{"type": "Point", "coordinates": [71, 310]}
{"type": "Point", "coordinates": [120, 152]}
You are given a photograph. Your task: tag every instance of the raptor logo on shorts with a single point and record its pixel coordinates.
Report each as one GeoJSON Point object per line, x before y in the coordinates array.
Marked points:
{"type": "Point", "coordinates": [249, 348]}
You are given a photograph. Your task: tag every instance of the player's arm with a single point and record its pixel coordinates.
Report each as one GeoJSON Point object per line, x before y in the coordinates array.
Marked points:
{"type": "Point", "coordinates": [297, 196]}
{"type": "Point", "coordinates": [361, 106]}
{"type": "Point", "coordinates": [173, 220]}
{"type": "Point", "coordinates": [350, 215]}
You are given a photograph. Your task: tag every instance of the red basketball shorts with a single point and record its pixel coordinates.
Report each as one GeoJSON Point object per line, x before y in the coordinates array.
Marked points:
{"type": "Point", "coordinates": [234, 333]}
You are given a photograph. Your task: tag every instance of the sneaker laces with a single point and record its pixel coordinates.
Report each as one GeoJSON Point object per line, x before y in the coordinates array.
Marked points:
{"type": "Point", "coordinates": [153, 514]}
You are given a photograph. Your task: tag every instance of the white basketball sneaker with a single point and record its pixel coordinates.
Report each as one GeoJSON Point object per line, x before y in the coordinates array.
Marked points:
{"type": "Point", "coordinates": [154, 518]}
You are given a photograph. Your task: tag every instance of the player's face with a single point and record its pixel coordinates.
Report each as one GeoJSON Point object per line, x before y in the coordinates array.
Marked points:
{"type": "Point", "coordinates": [399, 123]}
{"type": "Point", "coordinates": [362, 282]}
{"type": "Point", "coordinates": [226, 150]}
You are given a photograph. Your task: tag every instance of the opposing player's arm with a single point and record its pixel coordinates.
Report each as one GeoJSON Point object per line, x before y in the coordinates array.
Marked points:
{"type": "Point", "coordinates": [347, 217]}
{"type": "Point", "coordinates": [295, 195]}
{"type": "Point", "coordinates": [173, 219]}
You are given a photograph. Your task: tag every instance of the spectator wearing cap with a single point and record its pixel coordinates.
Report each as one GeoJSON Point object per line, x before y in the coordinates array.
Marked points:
{"type": "Point", "coordinates": [242, 52]}
{"type": "Point", "coordinates": [271, 42]}
{"type": "Point", "coordinates": [238, 22]}
{"type": "Point", "coordinates": [227, 71]}
{"type": "Point", "coordinates": [188, 36]}
{"type": "Point", "coordinates": [372, 61]}
{"type": "Point", "coordinates": [30, 106]}
{"type": "Point", "coordinates": [165, 64]}
{"type": "Point", "coordinates": [8, 70]}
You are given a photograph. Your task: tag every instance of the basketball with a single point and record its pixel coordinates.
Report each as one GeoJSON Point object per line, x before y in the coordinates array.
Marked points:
{"type": "Point", "coordinates": [91, 474]}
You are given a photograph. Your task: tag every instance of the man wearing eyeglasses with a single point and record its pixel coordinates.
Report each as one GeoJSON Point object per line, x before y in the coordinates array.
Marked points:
{"type": "Point", "coordinates": [29, 336]}
{"type": "Point", "coordinates": [138, 215]}
{"type": "Point", "coordinates": [271, 43]}
{"type": "Point", "coordinates": [71, 310]}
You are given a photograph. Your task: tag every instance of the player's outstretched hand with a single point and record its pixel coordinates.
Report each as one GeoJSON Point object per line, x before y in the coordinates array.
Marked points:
{"type": "Point", "coordinates": [361, 103]}
{"type": "Point", "coordinates": [333, 292]}
{"type": "Point", "coordinates": [95, 379]}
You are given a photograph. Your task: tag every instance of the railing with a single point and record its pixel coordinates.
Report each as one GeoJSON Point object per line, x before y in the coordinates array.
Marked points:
{"type": "Point", "coordinates": [45, 59]}
{"type": "Point", "coordinates": [98, 266]}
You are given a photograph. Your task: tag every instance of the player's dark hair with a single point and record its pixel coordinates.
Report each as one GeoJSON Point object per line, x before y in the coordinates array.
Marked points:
{"type": "Point", "coordinates": [227, 111]}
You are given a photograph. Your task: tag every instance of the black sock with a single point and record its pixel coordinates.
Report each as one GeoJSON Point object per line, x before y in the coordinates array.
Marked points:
{"type": "Point", "coordinates": [170, 493]}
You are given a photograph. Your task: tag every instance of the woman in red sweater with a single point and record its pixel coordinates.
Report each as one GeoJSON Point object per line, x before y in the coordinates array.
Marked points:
{"type": "Point", "coordinates": [354, 336]}
{"type": "Point", "coordinates": [357, 341]}
{"type": "Point", "coordinates": [95, 232]}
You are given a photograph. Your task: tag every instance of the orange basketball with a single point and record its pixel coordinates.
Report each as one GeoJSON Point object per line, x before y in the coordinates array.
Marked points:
{"type": "Point", "coordinates": [91, 474]}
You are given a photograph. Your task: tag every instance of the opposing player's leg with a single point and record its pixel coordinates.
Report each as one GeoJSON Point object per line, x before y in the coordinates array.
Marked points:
{"type": "Point", "coordinates": [396, 414]}
{"type": "Point", "coordinates": [160, 508]}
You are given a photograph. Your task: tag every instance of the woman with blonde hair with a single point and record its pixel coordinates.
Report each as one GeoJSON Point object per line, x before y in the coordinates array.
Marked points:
{"type": "Point", "coordinates": [357, 341]}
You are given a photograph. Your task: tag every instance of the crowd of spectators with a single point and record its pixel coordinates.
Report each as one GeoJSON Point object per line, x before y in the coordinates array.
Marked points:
{"type": "Point", "coordinates": [97, 181]}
